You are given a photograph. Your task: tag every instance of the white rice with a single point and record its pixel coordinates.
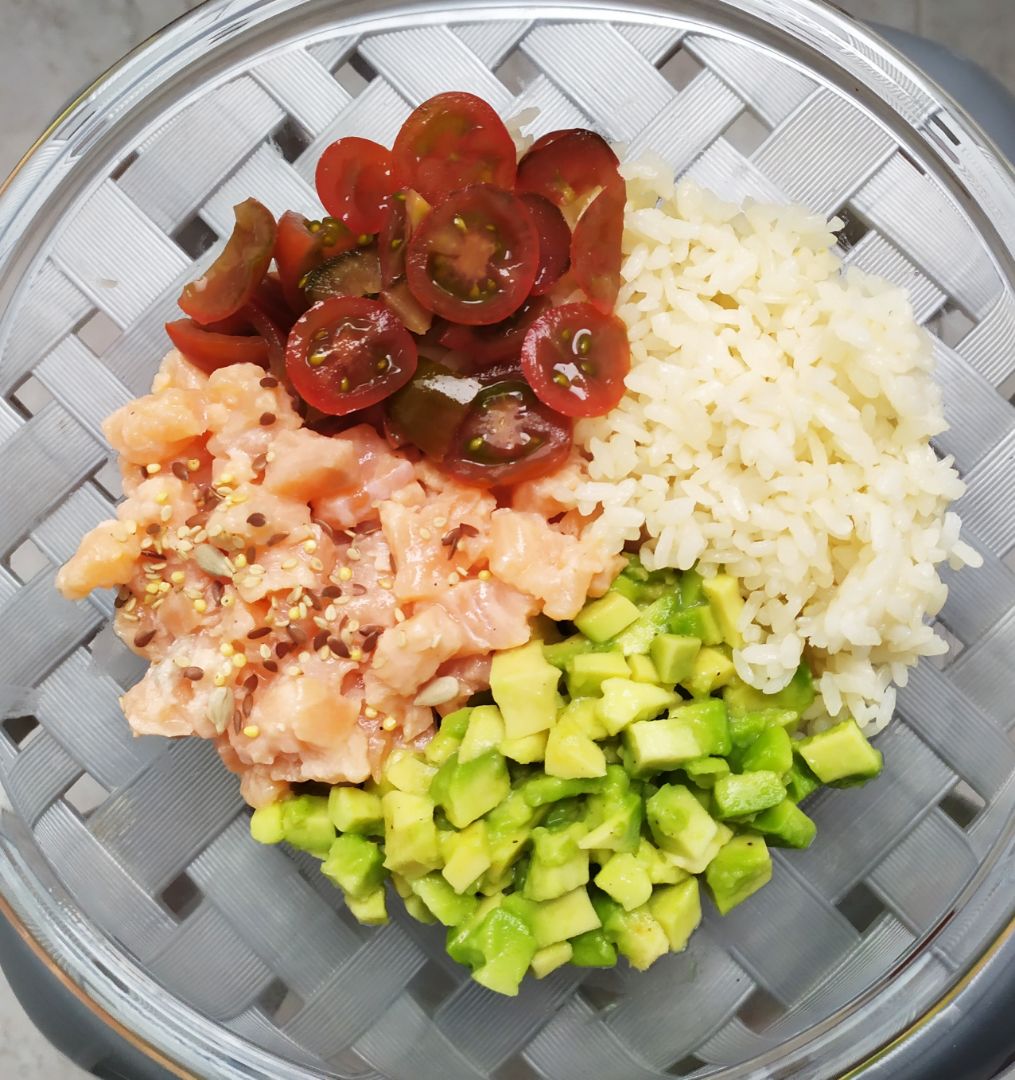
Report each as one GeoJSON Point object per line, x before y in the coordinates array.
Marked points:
{"type": "Point", "coordinates": [777, 425]}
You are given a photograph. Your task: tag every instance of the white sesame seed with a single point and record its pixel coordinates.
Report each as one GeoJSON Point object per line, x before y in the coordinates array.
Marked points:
{"type": "Point", "coordinates": [316, 565]}
{"type": "Point", "coordinates": [330, 613]}
{"type": "Point", "coordinates": [293, 670]}
{"type": "Point", "coordinates": [440, 522]}
{"type": "Point", "coordinates": [153, 468]}
{"type": "Point", "coordinates": [290, 564]}
{"type": "Point", "coordinates": [265, 651]}
{"type": "Point", "coordinates": [353, 555]}
{"type": "Point", "coordinates": [303, 657]}
{"type": "Point", "coordinates": [425, 534]}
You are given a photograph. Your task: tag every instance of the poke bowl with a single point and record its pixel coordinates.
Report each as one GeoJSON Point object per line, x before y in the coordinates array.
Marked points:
{"type": "Point", "coordinates": [548, 611]}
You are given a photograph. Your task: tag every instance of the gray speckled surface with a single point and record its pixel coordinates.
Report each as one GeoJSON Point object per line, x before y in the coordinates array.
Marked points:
{"type": "Point", "coordinates": [50, 49]}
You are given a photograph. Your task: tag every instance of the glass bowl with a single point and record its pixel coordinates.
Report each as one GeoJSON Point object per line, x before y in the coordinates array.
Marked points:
{"type": "Point", "coordinates": [127, 862]}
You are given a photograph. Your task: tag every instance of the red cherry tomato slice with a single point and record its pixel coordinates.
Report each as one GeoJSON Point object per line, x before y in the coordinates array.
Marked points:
{"type": "Point", "coordinates": [453, 141]}
{"type": "Point", "coordinates": [474, 258]}
{"type": "Point", "coordinates": [486, 345]}
{"type": "Point", "coordinates": [565, 165]}
{"type": "Point", "coordinates": [576, 358]}
{"type": "Point", "coordinates": [301, 246]}
{"type": "Point", "coordinates": [348, 353]}
{"type": "Point", "coordinates": [554, 242]}
{"type": "Point", "coordinates": [209, 350]}
{"type": "Point", "coordinates": [403, 213]}
{"type": "Point", "coordinates": [596, 247]}
{"type": "Point", "coordinates": [354, 179]}
{"type": "Point", "coordinates": [233, 277]}
{"type": "Point", "coordinates": [507, 436]}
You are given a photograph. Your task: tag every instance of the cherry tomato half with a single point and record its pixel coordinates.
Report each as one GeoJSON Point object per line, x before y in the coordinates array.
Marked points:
{"type": "Point", "coordinates": [507, 436]}
{"type": "Point", "coordinates": [596, 247]}
{"type": "Point", "coordinates": [354, 178]}
{"type": "Point", "coordinates": [486, 345]}
{"type": "Point", "coordinates": [576, 358]}
{"type": "Point", "coordinates": [403, 212]}
{"type": "Point", "coordinates": [565, 165]}
{"type": "Point", "coordinates": [453, 141]}
{"type": "Point", "coordinates": [474, 258]}
{"type": "Point", "coordinates": [303, 245]}
{"type": "Point", "coordinates": [210, 350]}
{"type": "Point", "coordinates": [347, 353]}
{"type": "Point", "coordinates": [554, 242]}
{"type": "Point", "coordinates": [233, 277]}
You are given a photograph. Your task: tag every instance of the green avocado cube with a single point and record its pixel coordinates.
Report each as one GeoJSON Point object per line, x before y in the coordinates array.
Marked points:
{"type": "Point", "coordinates": [565, 917]}
{"type": "Point", "coordinates": [583, 712]}
{"type": "Point", "coordinates": [406, 771]}
{"type": "Point", "coordinates": [507, 946]}
{"type": "Point", "coordinates": [620, 827]}
{"type": "Point", "coordinates": [306, 824]}
{"type": "Point", "coordinates": [785, 825]}
{"type": "Point", "coordinates": [678, 822]}
{"type": "Point", "coordinates": [606, 617]}
{"type": "Point", "coordinates": [371, 910]}
{"type": "Point", "coordinates": [640, 937]}
{"type": "Point", "coordinates": [653, 621]}
{"type": "Point", "coordinates": [485, 732]}
{"type": "Point", "coordinates": [704, 771]}
{"type": "Point", "coordinates": [355, 864]}
{"type": "Point", "coordinates": [558, 865]}
{"type": "Point", "coordinates": [353, 810]}
{"type": "Point", "coordinates": [540, 790]}
{"type": "Point", "coordinates": [448, 737]}
{"type": "Point", "coordinates": [711, 668]}
{"type": "Point", "coordinates": [587, 672]}
{"type": "Point", "coordinates": [550, 958]}
{"type": "Point", "coordinates": [723, 592]}
{"type": "Point", "coordinates": [677, 909]}
{"type": "Point", "coordinates": [736, 796]}
{"type": "Point", "coordinates": [642, 669]}
{"type": "Point", "coordinates": [691, 592]}
{"type": "Point", "coordinates": [593, 949]}
{"type": "Point", "coordinates": [266, 825]}
{"type": "Point", "coordinates": [524, 686]}
{"type": "Point", "coordinates": [742, 866]}
{"type": "Point", "coordinates": [659, 865]}
{"type": "Point", "coordinates": [527, 749]}
{"type": "Point", "coordinates": [410, 835]}
{"type": "Point", "coordinates": [674, 656]}
{"type": "Point", "coordinates": [800, 781]}
{"type": "Point", "coordinates": [698, 863]}
{"type": "Point", "coordinates": [625, 702]}
{"type": "Point", "coordinates": [771, 751]}
{"type": "Point", "coordinates": [475, 787]}
{"type": "Point", "coordinates": [570, 753]}
{"type": "Point", "coordinates": [628, 588]}
{"type": "Point", "coordinates": [447, 906]}
{"type": "Point", "coordinates": [513, 813]}
{"type": "Point", "coordinates": [696, 622]}
{"type": "Point", "coordinates": [466, 856]}
{"type": "Point", "coordinates": [626, 880]}
{"type": "Point", "coordinates": [560, 653]}
{"type": "Point", "coordinates": [796, 696]}
{"type": "Point", "coordinates": [460, 943]}
{"type": "Point", "coordinates": [660, 745]}
{"type": "Point", "coordinates": [841, 752]}
{"type": "Point", "coordinates": [418, 910]}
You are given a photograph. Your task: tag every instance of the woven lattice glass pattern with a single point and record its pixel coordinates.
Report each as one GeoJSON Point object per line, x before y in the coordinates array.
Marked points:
{"type": "Point", "coordinates": [149, 837]}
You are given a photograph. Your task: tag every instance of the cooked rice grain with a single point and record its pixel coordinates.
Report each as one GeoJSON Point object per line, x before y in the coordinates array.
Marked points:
{"type": "Point", "coordinates": [778, 424]}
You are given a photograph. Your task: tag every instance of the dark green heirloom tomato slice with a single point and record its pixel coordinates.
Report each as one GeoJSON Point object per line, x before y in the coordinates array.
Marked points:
{"type": "Point", "coordinates": [301, 246]}
{"type": "Point", "coordinates": [429, 409]}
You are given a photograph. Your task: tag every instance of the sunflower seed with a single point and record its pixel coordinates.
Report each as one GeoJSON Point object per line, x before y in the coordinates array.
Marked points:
{"type": "Point", "coordinates": [212, 561]}
{"type": "Point", "coordinates": [438, 691]}
{"type": "Point", "coordinates": [220, 707]}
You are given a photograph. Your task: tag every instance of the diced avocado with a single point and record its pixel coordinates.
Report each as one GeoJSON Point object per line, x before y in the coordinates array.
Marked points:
{"type": "Point", "coordinates": [677, 909]}
{"type": "Point", "coordinates": [355, 864]}
{"type": "Point", "coordinates": [564, 918]}
{"type": "Point", "coordinates": [640, 937]}
{"type": "Point", "coordinates": [410, 835]}
{"type": "Point", "coordinates": [840, 753]}
{"type": "Point", "coordinates": [447, 906]}
{"type": "Point", "coordinates": [552, 957]}
{"type": "Point", "coordinates": [797, 695]}
{"type": "Point", "coordinates": [584, 712]}
{"type": "Point", "coordinates": [354, 810]}
{"type": "Point", "coordinates": [621, 825]}
{"type": "Point", "coordinates": [704, 771]}
{"type": "Point", "coordinates": [627, 587]}
{"type": "Point", "coordinates": [371, 910]}
{"type": "Point", "coordinates": [461, 940]}
{"type": "Point", "coordinates": [539, 790]}
{"type": "Point", "coordinates": [485, 732]}
{"type": "Point", "coordinates": [448, 738]}
{"type": "Point", "coordinates": [711, 668]}
{"type": "Point", "coordinates": [266, 825]}
{"type": "Point", "coordinates": [507, 946]}
{"type": "Point", "coordinates": [735, 796]}
{"type": "Point", "coordinates": [418, 910]}
{"type": "Point", "coordinates": [625, 702]}
{"type": "Point", "coordinates": [785, 825]}
{"type": "Point", "coordinates": [524, 686]}
{"type": "Point", "coordinates": [306, 824]}
{"type": "Point", "coordinates": [565, 813]}
{"type": "Point", "coordinates": [626, 880]}
{"type": "Point", "coordinates": [771, 751]}
{"type": "Point", "coordinates": [697, 865]}
{"type": "Point", "coordinates": [659, 745]}
{"type": "Point", "coordinates": [691, 588]}
{"type": "Point", "coordinates": [604, 618]}
{"type": "Point", "coordinates": [587, 672]}
{"type": "Point", "coordinates": [466, 857]}
{"type": "Point", "coordinates": [723, 592]}
{"type": "Point", "coordinates": [652, 622]}
{"type": "Point", "coordinates": [527, 749]}
{"type": "Point", "coordinates": [562, 652]}
{"type": "Point", "coordinates": [800, 781]}
{"type": "Point", "coordinates": [643, 669]}
{"type": "Point", "coordinates": [697, 622]}
{"type": "Point", "coordinates": [513, 813]}
{"type": "Point", "coordinates": [406, 771]}
{"type": "Point", "coordinates": [593, 949]}
{"type": "Point", "coordinates": [678, 821]}
{"type": "Point", "coordinates": [570, 753]}
{"type": "Point", "coordinates": [742, 866]}
{"type": "Point", "coordinates": [558, 866]}
{"type": "Point", "coordinates": [476, 787]}
{"type": "Point", "coordinates": [674, 656]}
{"type": "Point", "coordinates": [659, 865]}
